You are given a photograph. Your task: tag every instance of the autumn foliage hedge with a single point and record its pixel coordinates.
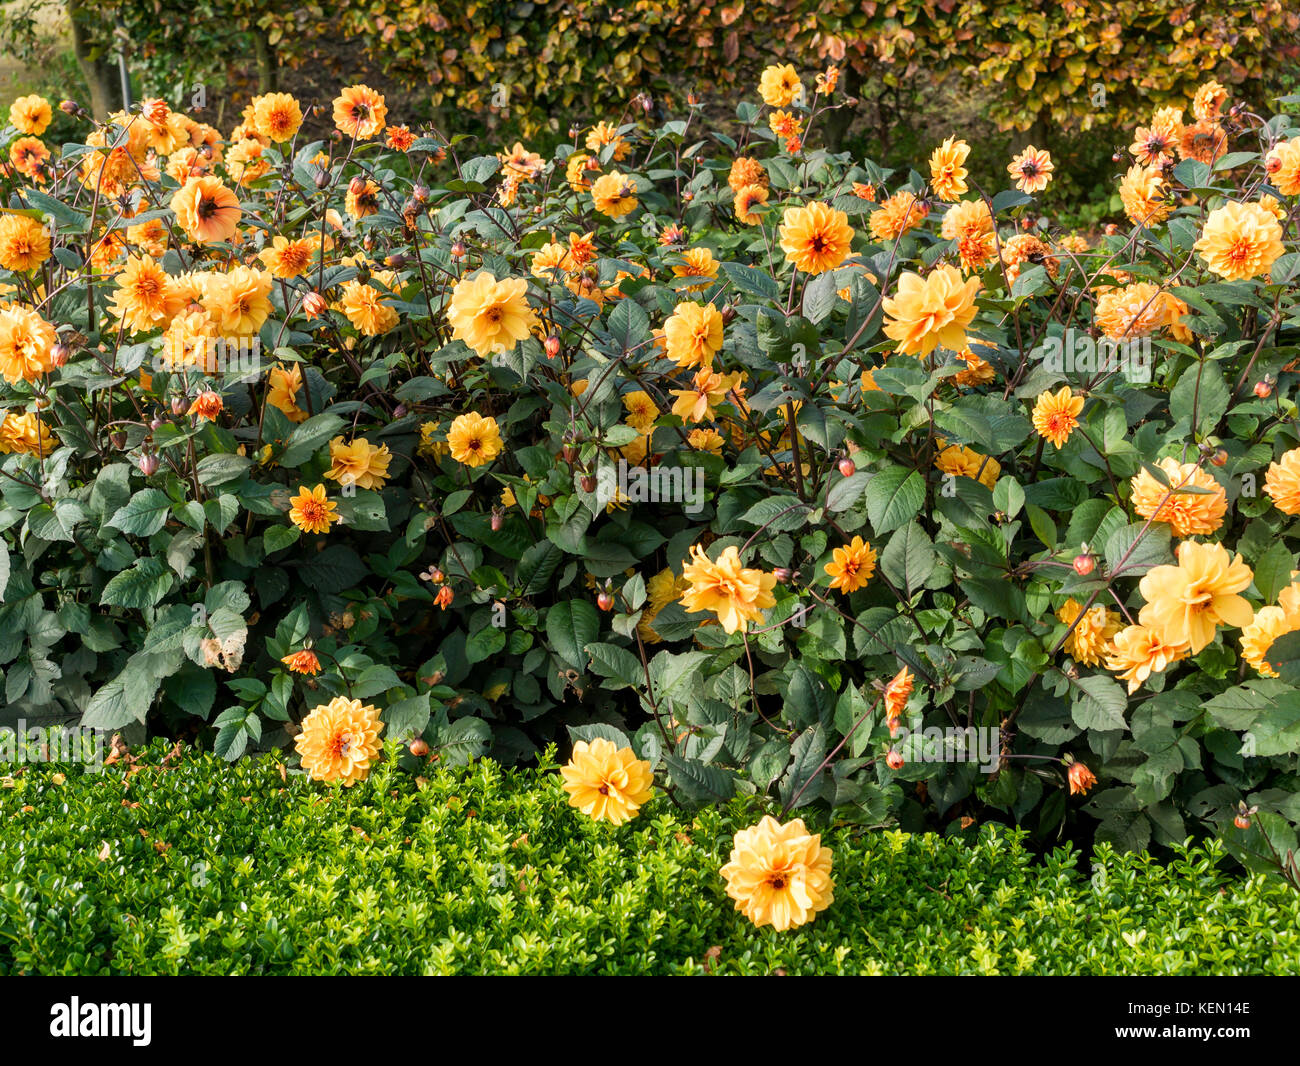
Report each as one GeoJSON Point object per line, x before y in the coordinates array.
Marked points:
{"type": "Point", "coordinates": [538, 64]}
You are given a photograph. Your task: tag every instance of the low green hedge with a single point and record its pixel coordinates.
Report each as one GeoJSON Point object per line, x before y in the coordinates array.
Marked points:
{"type": "Point", "coordinates": [198, 866]}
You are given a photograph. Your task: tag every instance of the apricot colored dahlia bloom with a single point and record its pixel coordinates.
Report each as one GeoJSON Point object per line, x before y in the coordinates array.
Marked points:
{"type": "Point", "coordinates": [1240, 241]}
{"type": "Point", "coordinates": [489, 315]}
{"type": "Point", "coordinates": [693, 334]}
{"type": "Point", "coordinates": [931, 311]}
{"type": "Point", "coordinates": [312, 511]}
{"type": "Point", "coordinates": [359, 463]}
{"type": "Point", "coordinates": [1057, 414]}
{"type": "Point", "coordinates": [1187, 513]}
{"type": "Point", "coordinates": [473, 439]}
{"type": "Point", "coordinates": [1137, 652]}
{"type": "Point", "coordinates": [1187, 602]}
{"type": "Point", "coordinates": [1090, 639]}
{"type": "Point", "coordinates": [24, 243]}
{"type": "Point", "coordinates": [606, 783]}
{"type": "Point", "coordinates": [26, 344]}
{"type": "Point", "coordinates": [851, 567]}
{"type": "Point", "coordinates": [779, 875]}
{"type": "Point", "coordinates": [1032, 170]}
{"type": "Point", "coordinates": [734, 593]}
{"type": "Point", "coordinates": [816, 237]}
{"type": "Point", "coordinates": [206, 210]}
{"type": "Point", "coordinates": [1282, 482]}
{"type": "Point", "coordinates": [360, 112]}
{"type": "Point", "coordinates": [339, 740]}
{"type": "Point", "coordinates": [947, 169]}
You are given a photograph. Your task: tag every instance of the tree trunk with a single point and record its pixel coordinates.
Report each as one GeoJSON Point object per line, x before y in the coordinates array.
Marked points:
{"type": "Point", "coordinates": [100, 72]}
{"type": "Point", "coordinates": [268, 70]}
{"type": "Point", "coordinates": [840, 120]}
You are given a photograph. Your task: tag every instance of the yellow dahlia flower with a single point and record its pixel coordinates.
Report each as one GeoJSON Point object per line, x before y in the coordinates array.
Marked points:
{"type": "Point", "coordinates": [1268, 624]}
{"type": "Point", "coordinates": [473, 439]}
{"type": "Point", "coordinates": [489, 315]}
{"type": "Point", "coordinates": [931, 311]}
{"type": "Point", "coordinates": [1188, 513]}
{"type": "Point", "coordinates": [605, 783]}
{"type": "Point", "coordinates": [815, 238]}
{"type": "Point", "coordinates": [1282, 482]}
{"type": "Point", "coordinates": [339, 740]}
{"type": "Point", "coordinates": [851, 567]}
{"type": "Point", "coordinates": [1186, 602]}
{"type": "Point", "coordinates": [693, 334]}
{"type": "Point", "coordinates": [1240, 241]}
{"type": "Point", "coordinates": [779, 875]}
{"type": "Point", "coordinates": [359, 463]}
{"type": "Point", "coordinates": [732, 592]}
{"type": "Point", "coordinates": [1089, 641]}
{"type": "Point", "coordinates": [947, 172]}
{"type": "Point", "coordinates": [779, 85]}
{"type": "Point", "coordinates": [1136, 652]}
{"type": "Point", "coordinates": [1056, 415]}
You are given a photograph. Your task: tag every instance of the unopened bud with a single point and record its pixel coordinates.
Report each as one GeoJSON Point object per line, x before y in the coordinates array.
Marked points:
{"type": "Point", "coordinates": [60, 354]}
{"type": "Point", "coordinates": [148, 464]}
{"type": "Point", "coordinates": [313, 304]}
{"type": "Point", "coordinates": [588, 482]}
{"type": "Point", "coordinates": [552, 347]}
{"type": "Point", "coordinates": [322, 178]}
{"type": "Point", "coordinates": [419, 748]}
{"type": "Point", "coordinates": [458, 250]}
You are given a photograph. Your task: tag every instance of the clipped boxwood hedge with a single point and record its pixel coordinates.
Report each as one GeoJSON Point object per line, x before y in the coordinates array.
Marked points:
{"type": "Point", "coordinates": [189, 865]}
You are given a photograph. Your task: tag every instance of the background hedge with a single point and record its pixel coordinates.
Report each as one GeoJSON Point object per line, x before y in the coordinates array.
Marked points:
{"type": "Point", "coordinates": [184, 864]}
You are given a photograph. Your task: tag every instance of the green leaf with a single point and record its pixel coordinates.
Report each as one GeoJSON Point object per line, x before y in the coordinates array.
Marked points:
{"type": "Point", "coordinates": [143, 514]}
{"type": "Point", "coordinates": [309, 437]}
{"type": "Point", "coordinates": [1273, 571]}
{"type": "Point", "coordinates": [223, 467]}
{"type": "Point", "coordinates": [143, 585]}
{"type": "Point", "coordinates": [1099, 703]}
{"type": "Point", "coordinates": [704, 784]}
{"type": "Point", "coordinates": [465, 740]}
{"type": "Point", "coordinates": [908, 559]}
{"type": "Point", "coordinates": [570, 626]}
{"type": "Point", "coordinates": [618, 664]}
{"type": "Point", "coordinates": [894, 496]}
{"type": "Point", "coordinates": [846, 491]}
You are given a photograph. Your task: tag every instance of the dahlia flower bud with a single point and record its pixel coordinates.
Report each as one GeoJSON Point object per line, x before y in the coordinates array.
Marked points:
{"type": "Point", "coordinates": [179, 404]}
{"type": "Point", "coordinates": [156, 111]}
{"type": "Point", "coordinates": [419, 747]}
{"type": "Point", "coordinates": [148, 464]}
{"type": "Point", "coordinates": [894, 760]}
{"type": "Point", "coordinates": [313, 304]}
{"type": "Point", "coordinates": [322, 178]}
{"type": "Point", "coordinates": [498, 518]}
{"type": "Point", "coordinates": [420, 194]}
{"type": "Point", "coordinates": [848, 467]}
{"type": "Point", "coordinates": [60, 354]}
{"type": "Point", "coordinates": [588, 482]}
{"type": "Point", "coordinates": [400, 411]}
{"type": "Point", "coordinates": [117, 439]}
{"type": "Point", "coordinates": [552, 347]}
{"type": "Point", "coordinates": [728, 314]}
{"type": "Point", "coordinates": [458, 250]}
